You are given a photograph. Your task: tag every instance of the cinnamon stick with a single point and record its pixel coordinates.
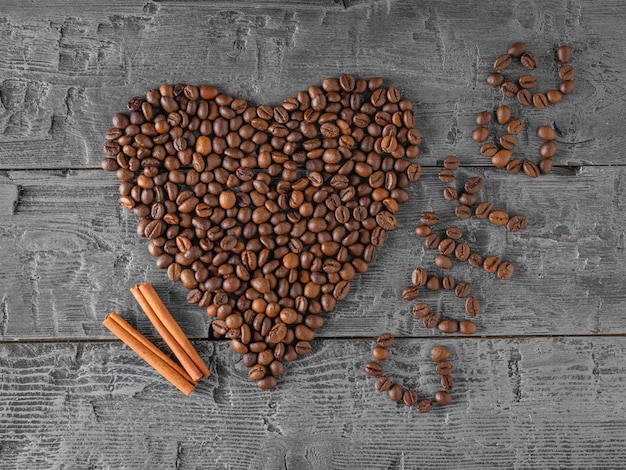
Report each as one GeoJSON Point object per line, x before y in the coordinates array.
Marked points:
{"type": "Point", "coordinates": [181, 346]}
{"type": "Point", "coordinates": [149, 353]}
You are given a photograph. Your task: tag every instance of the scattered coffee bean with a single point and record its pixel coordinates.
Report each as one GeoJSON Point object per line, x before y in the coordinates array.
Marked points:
{"type": "Point", "coordinates": [502, 62]}
{"type": "Point", "coordinates": [429, 218]}
{"type": "Point", "coordinates": [548, 149]}
{"type": "Point", "coordinates": [419, 276]}
{"type": "Point", "coordinates": [448, 326]}
{"type": "Point", "coordinates": [498, 217]}
{"type": "Point", "coordinates": [530, 169]}
{"type": "Point", "coordinates": [546, 133]}
{"type": "Point", "coordinates": [567, 86]}
{"type": "Point", "coordinates": [444, 368]}
{"type": "Point", "coordinates": [483, 209]}
{"type": "Point", "coordinates": [505, 271]}
{"type": "Point", "coordinates": [420, 310]}
{"type": "Point", "coordinates": [566, 72]}
{"type": "Point", "coordinates": [451, 162]}
{"type": "Point", "coordinates": [446, 175]}
{"type": "Point", "coordinates": [472, 307]}
{"type": "Point", "coordinates": [409, 397]}
{"type": "Point", "coordinates": [423, 230]}
{"type": "Point", "coordinates": [454, 233]}
{"type": "Point", "coordinates": [443, 397]}
{"type": "Point", "coordinates": [395, 393]}
{"type": "Point", "coordinates": [517, 223]}
{"type": "Point", "coordinates": [433, 283]}
{"type": "Point", "coordinates": [410, 293]}
{"type": "Point", "coordinates": [564, 54]}
{"type": "Point", "coordinates": [447, 382]}
{"type": "Point", "coordinates": [480, 134]}
{"type": "Point", "coordinates": [380, 353]}
{"type": "Point", "coordinates": [527, 81]}
{"type": "Point", "coordinates": [503, 114]}
{"type": "Point", "coordinates": [373, 369]}
{"type": "Point", "coordinates": [508, 141]}
{"type": "Point", "coordinates": [524, 97]}
{"type": "Point", "coordinates": [448, 283]}
{"type": "Point", "coordinates": [483, 118]}
{"type": "Point", "coordinates": [382, 384]}
{"type": "Point", "coordinates": [517, 49]}
{"type": "Point", "coordinates": [495, 79]}
{"type": "Point", "coordinates": [463, 212]}
{"type": "Point", "coordinates": [515, 126]}
{"type": "Point", "coordinates": [529, 60]}
{"type": "Point", "coordinates": [554, 96]}
{"type": "Point", "coordinates": [475, 260]}
{"type": "Point", "coordinates": [450, 193]}
{"type": "Point", "coordinates": [540, 100]}
{"type": "Point", "coordinates": [440, 353]}
{"type": "Point", "coordinates": [491, 263]}
{"type": "Point", "coordinates": [509, 89]}
{"type": "Point", "coordinates": [424, 406]}
{"type": "Point", "coordinates": [443, 262]}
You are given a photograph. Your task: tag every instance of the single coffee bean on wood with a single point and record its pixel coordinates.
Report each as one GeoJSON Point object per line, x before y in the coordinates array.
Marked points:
{"type": "Point", "coordinates": [517, 49]}
{"type": "Point", "coordinates": [440, 353]}
{"type": "Point", "coordinates": [564, 54]}
{"type": "Point", "coordinates": [529, 60]}
{"type": "Point", "coordinates": [474, 184]}
{"type": "Point", "coordinates": [472, 307]}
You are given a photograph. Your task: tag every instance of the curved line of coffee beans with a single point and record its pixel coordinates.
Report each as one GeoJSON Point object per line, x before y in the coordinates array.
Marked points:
{"type": "Point", "coordinates": [432, 283]}
{"type": "Point", "coordinates": [530, 61]}
{"type": "Point", "coordinates": [439, 355]}
{"type": "Point", "coordinates": [501, 154]}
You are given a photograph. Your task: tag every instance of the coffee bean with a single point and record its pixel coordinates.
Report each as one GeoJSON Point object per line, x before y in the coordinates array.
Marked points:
{"type": "Point", "coordinates": [463, 212]}
{"type": "Point", "coordinates": [448, 326]}
{"type": "Point", "coordinates": [454, 233]}
{"type": "Point", "coordinates": [524, 97]}
{"type": "Point", "coordinates": [472, 307]}
{"type": "Point", "coordinates": [446, 175]}
{"type": "Point", "coordinates": [546, 133]}
{"type": "Point", "coordinates": [449, 193]}
{"type": "Point", "coordinates": [382, 384]}
{"type": "Point", "coordinates": [503, 114]}
{"type": "Point", "coordinates": [566, 72]}
{"type": "Point", "coordinates": [514, 126]}
{"type": "Point", "coordinates": [467, 327]}
{"type": "Point", "coordinates": [395, 393]}
{"type": "Point", "coordinates": [451, 162]}
{"type": "Point", "coordinates": [444, 368]}
{"type": "Point", "coordinates": [529, 60]}
{"type": "Point", "coordinates": [432, 241]}
{"type": "Point", "coordinates": [410, 293]}
{"type": "Point", "coordinates": [474, 184]}
{"type": "Point", "coordinates": [501, 158]}
{"type": "Point", "coordinates": [545, 166]}
{"type": "Point", "coordinates": [554, 96]}
{"type": "Point", "coordinates": [527, 81]}
{"type": "Point", "coordinates": [430, 320]}
{"type": "Point", "coordinates": [488, 149]}
{"type": "Point", "coordinates": [508, 141]}
{"type": "Point", "coordinates": [495, 79]}
{"type": "Point", "coordinates": [373, 369]}
{"type": "Point", "coordinates": [429, 218]}
{"type": "Point", "coordinates": [475, 260]}
{"type": "Point", "coordinates": [502, 62]}
{"type": "Point", "coordinates": [420, 310]}
{"type": "Point", "coordinates": [483, 118]}
{"type": "Point", "coordinates": [564, 54]}
{"type": "Point", "coordinates": [448, 282]}
{"type": "Point", "coordinates": [462, 251]}
{"type": "Point", "coordinates": [467, 199]}
{"type": "Point", "coordinates": [540, 100]}
{"type": "Point", "coordinates": [423, 230]}
{"type": "Point", "coordinates": [440, 353]}
{"type": "Point", "coordinates": [480, 134]}
{"type": "Point", "coordinates": [567, 86]}
{"type": "Point", "coordinates": [443, 262]}
{"type": "Point", "coordinates": [409, 397]}
{"type": "Point", "coordinates": [509, 89]}
{"type": "Point", "coordinates": [424, 406]}
{"type": "Point", "coordinates": [517, 223]}
{"type": "Point", "coordinates": [385, 340]}
{"type": "Point", "coordinates": [547, 149]}
{"type": "Point", "coordinates": [433, 283]}
{"type": "Point", "coordinates": [380, 353]}
{"type": "Point", "coordinates": [419, 276]}
{"type": "Point", "coordinates": [463, 289]}
{"type": "Point", "coordinates": [498, 217]}
{"type": "Point", "coordinates": [530, 169]}
{"type": "Point", "coordinates": [491, 263]}
{"type": "Point", "coordinates": [446, 246]}
{"type": "Point", "coordinates": [517, 49]}
{"type": "Point", "coordinates": [447, 382]}
{"type": "Point", "coordinates": [514, 166]}
{"type": "Point", "coordinates": [505, 271]}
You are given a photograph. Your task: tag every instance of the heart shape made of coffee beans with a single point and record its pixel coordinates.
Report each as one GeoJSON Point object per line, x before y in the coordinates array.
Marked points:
{"type": "Point", "coordinates": [265, 214]}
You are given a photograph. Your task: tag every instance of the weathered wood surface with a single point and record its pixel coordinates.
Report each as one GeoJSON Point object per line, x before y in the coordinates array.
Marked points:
{"type": "Point", "coordinates": [71, 254]}
{"type": "Point", "coordinates": [68, 253]}
{"type": "Point", "coordinates": [523, 403]}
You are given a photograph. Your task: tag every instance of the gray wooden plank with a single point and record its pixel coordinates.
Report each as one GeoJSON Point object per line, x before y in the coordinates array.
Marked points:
{"type": "Point", "coordinates": [518, 403]}
{"type": "Point", "coordinates": [65, 74]}
{"type": "Point", "coordinates": [70, 254]}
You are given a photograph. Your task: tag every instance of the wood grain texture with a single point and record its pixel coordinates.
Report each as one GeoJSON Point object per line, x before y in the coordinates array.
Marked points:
{"type": "Point", "coordinates": [539, 386]}
{"type": "Point", "coordinates": [64, 75]}
{"type": "Point", "coordinates": [72, 254]}
{"type": "Point", "coordinates": [523, 403]}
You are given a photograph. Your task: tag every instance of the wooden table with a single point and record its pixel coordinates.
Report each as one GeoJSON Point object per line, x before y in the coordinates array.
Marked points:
{"type": "Point", "coordinates": [541, 383]}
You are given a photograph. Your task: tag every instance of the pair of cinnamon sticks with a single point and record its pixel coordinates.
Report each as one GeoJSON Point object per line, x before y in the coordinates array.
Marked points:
{"type": "Point", "coordinates": [185, 376]}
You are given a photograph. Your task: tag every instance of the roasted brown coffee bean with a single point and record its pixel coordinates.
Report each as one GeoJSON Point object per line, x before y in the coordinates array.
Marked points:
{"type": "Point", "coordinates": [491, 263]}
{"type": "Point", "coordinates": [395, 393]}
{"type": "Point", "coordinates": [501, 158]}
{"type": "Point", "coordinates": [440, 353]}
{"type": "Point", "coordinates": [517, 49]}
{"type": "Point", "coordinates": [505, 271]}
{"type": "Point", "coordinates": [373, 369]}
{"type": "Point", "coordinates": [449, 193]}
{"type": "Point", "coordinates": [463, 289]}
{"type": "Point", "coordinates": [432, 241]}
{"type": "Point", "coordinates": [446, 175]}
{"type": "Point", "coordinates": [564, 54]}
{"type": "Point", "coordinates": [508, 141]}
{"type": "Point", "coordinates": [267, 383]}
{"type": "Point", "coordinates": [514, 126]}
{"type": "Point", "coordinates": [410, 293]}
{"type": "Point", "coordinates": [462, 211]}
{"type": "Point", "coordinates": [545, 166]}
{"type": "Point", "coordinates": [474, 184]}
{"type": "Point", "coordinates": [530, 169]}
{"type": "Point", "coordinates": [540, 100]}
{"type": "Point", "coordinates": [424, 406]}
{"type": "Point", "coordinates": [446, 246]}
{"type": "Point", "coordinates": [495, 79]}
{"type": "Point", "coordinates": [423, 230]}
{"type": "Point", "coordinates": [448, 282]}
{"type": "Point", "coordinates": [467, 327]}
{"type": "Point", "coordinates": [380, 353]}
{"type": "Point", "coordinates": [433, 283]}
{"type": "Point", "coordinates": [447, 381]}
{"type": "Point", "coordinates": [472, 307]}
{"type": "Point", "coordinates": [443, 398]}
{"type": "Point", "coordinates": [385, 340]}
{"type": "Point", "coordinates": [420, 310]}
{"type": "Point", "coordinates": [430, 320]}
{"type": "Point", "coordinates": [483, 118]}
{"type": "Point", "coordinates": [567, 86]}
{"type": "Point", "coordinates": [382, 384]}
{"type": "Point", "coordinates": [517, 223]}
{"type": "Point", "coordinates": [503, 114]}
{"type": "Point", "coordinates": [488, 149]}
{"type": "Point", "coordinates": [546, 133]}
{"type": "Point", "coordinates": [454, 233]}
{"type": "Point", "coordinates": [524, 97]}
{"type": "Point", "coordinates": [429, 218]}
{"type": "Point", "coordinates": [444, 368]}
{"type": "Point", "coordinates": [509, 89]}
{"type": "Point", "coordinates": [566, 72]}
{"type": "Point", "coordinates": [480, 134]}
{"type": "Point", "coordinates": [514, 166]}
{"type": "Point", "coordinates": [554, 96]}
{"type": "Point", "coordinates": [462, 251]}
{"type": "Point", "coordinates": [451, 162]}
{"type": "Point", "coordinates": [467, 199]}
{"type": "Point", "coordinates": [443, 262]}
{"type": "Point", "coordinates": [475, 260]}
{"type": "Point", "coordinates": [502, 62]}
{"type": "Point", "coordinates": [409, 397]}
{"type": "Point", "coordinates": [448, 326]}
{"type": "Point", "coordinates": [529, 60]}
{"type": "Point", "coordinates": [527, 81]}
{"type": "Point", "coordinates": [419, 276]}
{"type": "Point", "coordinates": [548, 149]}
{"type": "Point", "coordinates": [498, 217]}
